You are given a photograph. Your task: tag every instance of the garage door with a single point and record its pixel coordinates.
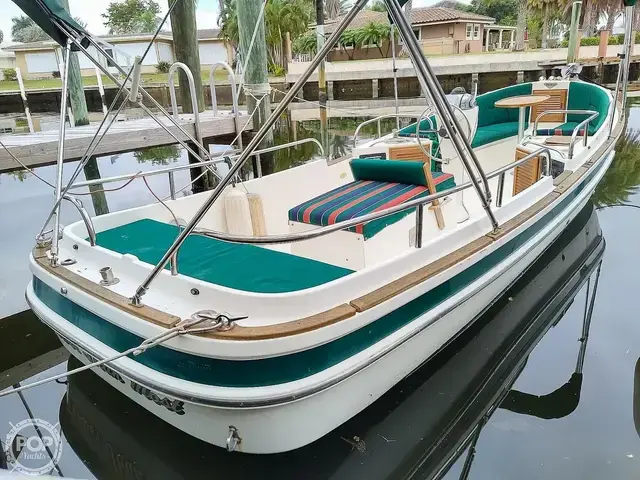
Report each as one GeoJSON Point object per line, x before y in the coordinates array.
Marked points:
{"type": "Point", "coordinates": [212, 52]}
{"type": "Point", "coordinates": [42, 62]}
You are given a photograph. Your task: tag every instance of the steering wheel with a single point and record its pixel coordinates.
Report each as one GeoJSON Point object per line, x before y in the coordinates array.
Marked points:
{"type": "Point", "coordinates": [426, 114]}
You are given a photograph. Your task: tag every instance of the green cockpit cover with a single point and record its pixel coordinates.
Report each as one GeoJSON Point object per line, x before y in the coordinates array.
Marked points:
{"type": "Point", "coordinates": [45, 13]}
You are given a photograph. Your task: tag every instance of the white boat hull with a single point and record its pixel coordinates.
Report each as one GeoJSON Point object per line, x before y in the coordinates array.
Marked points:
{"type": "Point", "coordinates": [283, 425]}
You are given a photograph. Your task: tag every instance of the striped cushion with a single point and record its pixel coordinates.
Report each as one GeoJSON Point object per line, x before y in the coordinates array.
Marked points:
{"type": "Point", "coordinates": [362, 197]}
{"type": "Point", "coordinates": [564, 130]}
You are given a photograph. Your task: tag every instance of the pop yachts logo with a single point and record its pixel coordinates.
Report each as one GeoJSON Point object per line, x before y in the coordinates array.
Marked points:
{"type": "Point", "coordinates": [33, 447]}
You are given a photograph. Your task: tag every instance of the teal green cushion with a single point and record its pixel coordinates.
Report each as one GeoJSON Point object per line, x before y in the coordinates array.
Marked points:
{"type": "Point", "coordinates": [493, 133]}
{"type": "Point", "coordinates": [585, 96]}
{"type": "Point", "coordinates": [394, 171]}
{"type": "Point", "coordinates": [489, 114]}
{"type": "Point", "coordinates": [237, 266]}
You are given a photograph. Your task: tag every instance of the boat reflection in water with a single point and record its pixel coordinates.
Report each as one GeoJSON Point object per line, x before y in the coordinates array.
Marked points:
{"type": "Point", "coordinates": [419, 429]}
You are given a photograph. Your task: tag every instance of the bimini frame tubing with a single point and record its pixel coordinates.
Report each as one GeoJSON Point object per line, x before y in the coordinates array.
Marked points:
{"type": "Point", "coordinates": [436, 96]}
{"type": "Point", "coordinates": [60, 164]}
{"type": "Point", "coordinates": [431, 87]}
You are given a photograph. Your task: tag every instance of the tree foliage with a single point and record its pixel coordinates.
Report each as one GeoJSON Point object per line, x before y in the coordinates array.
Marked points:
{"type": "Point", "coordinates": [280, 17]}
{"type": "Point", "coordinates": [377, 6]}
{"type": "Point", "coordinates": [132, 16]}
{"type": "Point", "coordinates": [623, 177]}
{"type": "Point", "coordinates": [504, 11]}
{"type": "Point", "coordinates": [25, 30]}
{"type": "Point", "coordinates": [372, 34]}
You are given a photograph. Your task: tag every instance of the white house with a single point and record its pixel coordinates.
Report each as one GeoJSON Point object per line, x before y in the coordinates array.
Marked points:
{"type": "Point", "coordinates": [42, 59]}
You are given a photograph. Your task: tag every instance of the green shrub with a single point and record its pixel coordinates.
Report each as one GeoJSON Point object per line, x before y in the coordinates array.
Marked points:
{"type": "Point", "coordinates": [613, 40]}
{"type": "Point", "coordinates": [163, 67]}
{"type": "Point", "coordinates": [564, 44]}
{"type": "Point", "coordinates": [589, 41]}
{"type": "Point", "coordinates": [10, 74]}
{"type": "Point", "coordinates": [276, 70]}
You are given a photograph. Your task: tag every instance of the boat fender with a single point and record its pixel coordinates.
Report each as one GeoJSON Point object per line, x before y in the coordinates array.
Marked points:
{"type": "Point", "coordinates": [237, 213]}
{"type": "Point", "coordinates": [258, 223]}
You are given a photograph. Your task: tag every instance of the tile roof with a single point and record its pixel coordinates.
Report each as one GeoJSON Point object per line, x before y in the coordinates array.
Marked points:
{"type": "Point", "coordinates": [419, 16]}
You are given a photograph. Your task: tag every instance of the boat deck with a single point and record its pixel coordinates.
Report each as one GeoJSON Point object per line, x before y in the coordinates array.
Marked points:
{"type": "Point", "coordinates": [238, 266]}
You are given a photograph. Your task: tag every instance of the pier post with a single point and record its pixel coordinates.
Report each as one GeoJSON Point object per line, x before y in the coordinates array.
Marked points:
{"type": "Point", "coordinates": [25, 102]}
{"type": "Point", "coordinates": [574, 37]}
{"type": "Point", "coordinates": [322, 78]}
{"type": "Point", "coordinates": [98, 197]}
{"type": "Point", "coordinates": [76, 89]}
{"type": "Point", "coordinates": [185, 46]}
{"type": "Point", "coordinates": [329, 90]}
{"type": "Point", "coordinates": [520, 77]}
{"type": "Point", "coordinates": [374, 87]}
{"type": "Point", "coordinates": [256, 80]}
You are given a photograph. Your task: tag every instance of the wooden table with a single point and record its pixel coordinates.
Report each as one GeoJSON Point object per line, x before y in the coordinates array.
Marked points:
{"type": "Point", "coordinates": [521, 102]}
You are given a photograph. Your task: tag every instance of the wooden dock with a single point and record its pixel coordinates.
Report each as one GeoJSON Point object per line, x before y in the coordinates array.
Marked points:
{"type": "Point", "coordinates": [41, 148]}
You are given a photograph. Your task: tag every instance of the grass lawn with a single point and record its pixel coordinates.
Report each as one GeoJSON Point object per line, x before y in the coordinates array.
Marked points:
{"type": "Point", "coordinates": [147, 79]}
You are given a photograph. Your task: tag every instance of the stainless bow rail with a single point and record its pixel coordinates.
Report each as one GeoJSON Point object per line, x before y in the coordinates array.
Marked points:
{"type": "Point", "coordinates": [176, 168]}
{"type": "Point", "coordinates": [377, 119]}
{"type": "Point", "coordinates": [234, 95]}
{"type": "Point", "coordinates": [576, 131]}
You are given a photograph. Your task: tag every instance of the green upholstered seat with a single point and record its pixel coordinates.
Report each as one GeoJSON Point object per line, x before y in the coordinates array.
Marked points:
{"type": "Point", "coordinates": [498, 123]}
{"type": "Point", "coordinates": [493, 133]}
{"type": "Point", "coordinates": [582, 96]}
{"type": "Point", "coordinates": [237, 266]}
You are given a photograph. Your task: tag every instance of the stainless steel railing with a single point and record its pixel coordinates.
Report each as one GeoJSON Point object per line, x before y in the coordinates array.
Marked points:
{"type": "Point", "coordinates": [377, 119]}
{"type": "Point", "coordinates": [86, 218]}
{"type": "Point", "coordinates": [234, 95]}
{"type": "Point", "coordinates": [175, 168]}
{"type": "Point", "coordinates": [418, 202]}
{"type": "Point", "coordinates": [574, 134]}
{"type": "Point", "coordinates": [192, 91]}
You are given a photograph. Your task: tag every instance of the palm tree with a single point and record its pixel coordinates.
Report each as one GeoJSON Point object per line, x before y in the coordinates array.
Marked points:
{"type": "Point", "coordinates": [332, 9]}
{"type": "Point", "coordinates": [522, 26]}
{"type": "Point", "coordinates": [373, 34]}
{"type": "Point", "coordinates": [612, 8]}
{"type": "Point", "coordinates": [283, 16]}
{"type": "Point", "coordinates": [349, 41]}
{"type": "Point", "coordinates": [280, 16]}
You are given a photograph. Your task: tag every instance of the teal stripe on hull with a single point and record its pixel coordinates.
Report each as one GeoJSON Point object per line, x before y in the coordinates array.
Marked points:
{"type": "Point", "coordinates": [272, 371]}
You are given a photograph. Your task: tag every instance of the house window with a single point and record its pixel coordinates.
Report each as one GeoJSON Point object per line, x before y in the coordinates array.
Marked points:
{"type": "Point", "coordinates": [416, 32]}
{"type": "Point", "coordinates": [476, 31]}
{"type": "Point", "coordinates": [109, 52]}
{"type": "Point", "coordinates": [469, 31]}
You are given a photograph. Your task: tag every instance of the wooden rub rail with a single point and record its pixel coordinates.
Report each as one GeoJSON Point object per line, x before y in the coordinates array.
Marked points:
{"type": "Point", "coordinates": [344, 311]}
